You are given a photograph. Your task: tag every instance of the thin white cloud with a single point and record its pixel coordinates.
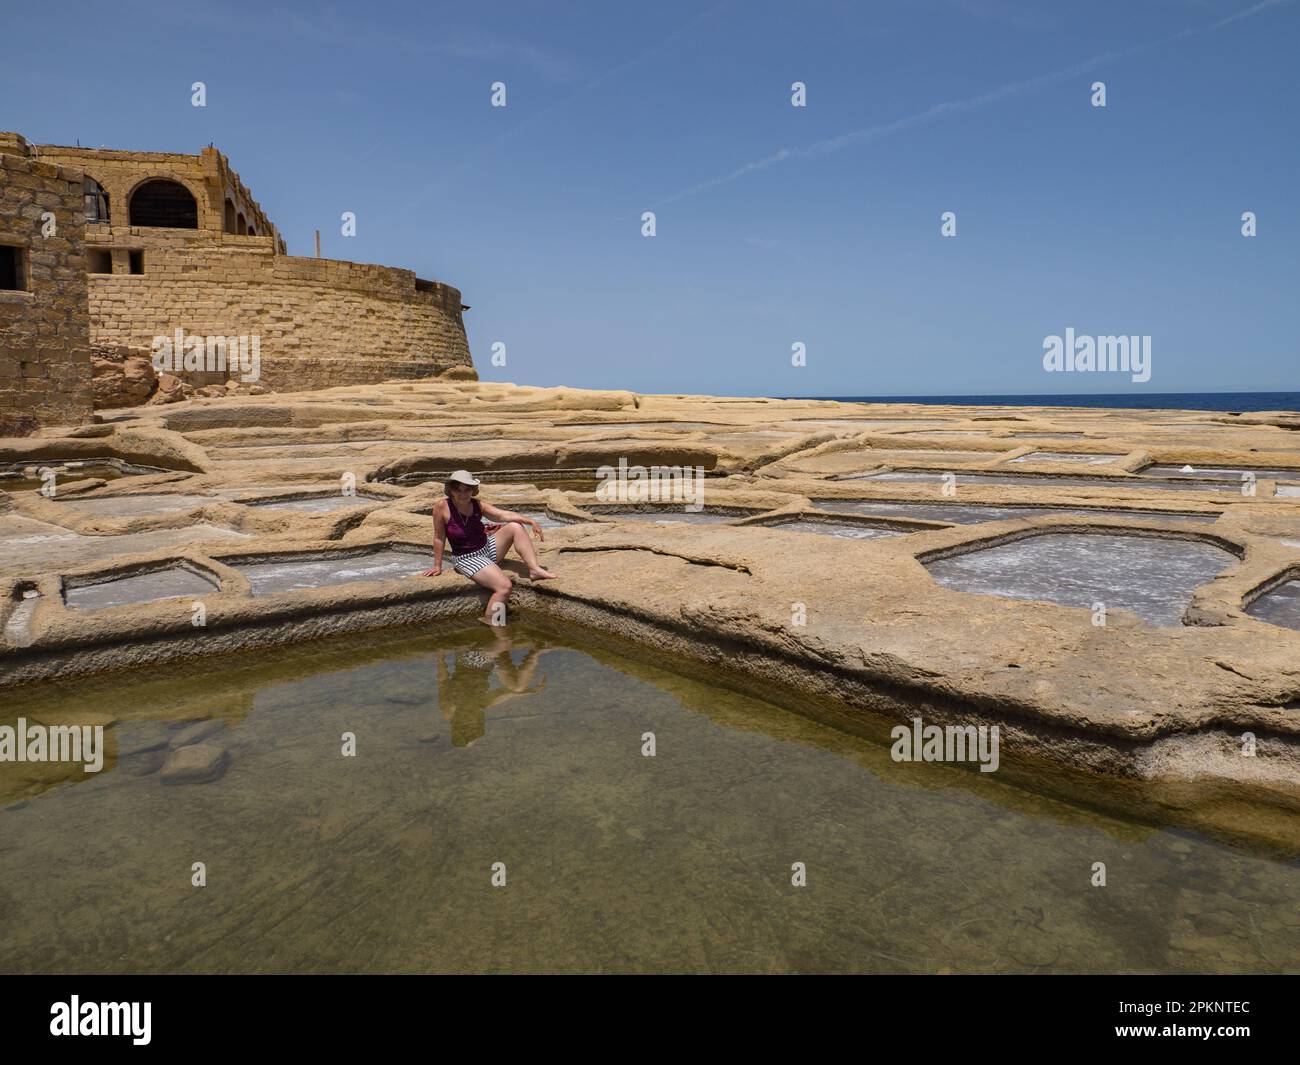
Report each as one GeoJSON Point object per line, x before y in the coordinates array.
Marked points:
{"type": "Point", "coordinates": [920, 118]}
{"type": "Point", "coordinates": [1254, 9]}
{"type": "Point", "coordinates": [947, 109]}
{"type": "Point", "coordinates": [1248, 12]}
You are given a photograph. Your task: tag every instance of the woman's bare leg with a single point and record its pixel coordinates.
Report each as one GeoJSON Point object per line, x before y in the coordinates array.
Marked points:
{"type": "Point", "coordinates": [494, 579]}
{"type": "Point", "coordinates": [513, 534]}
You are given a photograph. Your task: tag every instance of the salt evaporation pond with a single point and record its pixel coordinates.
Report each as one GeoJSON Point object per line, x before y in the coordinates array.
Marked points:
{"type": "Point", "coordinates": [14, 480]}
{"type": "Point", "coordinates": [1219, 473]}
{"type": "Point", "coordinates": [975, 513]}
{"type": "Point", "coordinates": [843, 529]}
{"type": "Point", "coordinates": [170, 583]}
{"type": "Point", "coordinates": [1064, 481]}
{"type": "Point", "coordinates": [318, 504]}
{"type": "Point", "coordinates": [1068, 456]}
{"type": "Point", "coordinates": [289, 574]}
{"type": "Point", "coordinates": [1281, 606]}
{"type": "Point", "coordinates": [18, 625]}
{"type": "Point", "coordinates": [1153, 577]}
{"type": "Point", "coordinates": [382, 863]}
{"type": "Point", "coordinates": [673, 516]}
{"type": "Point", "coordinates": [136, 505]}
{"type": "Point", "coordinates": [543, 518]}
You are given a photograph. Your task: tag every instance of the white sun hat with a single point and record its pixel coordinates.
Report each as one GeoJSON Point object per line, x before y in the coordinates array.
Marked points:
{"type": "Point", "coordinates": [463, 477]}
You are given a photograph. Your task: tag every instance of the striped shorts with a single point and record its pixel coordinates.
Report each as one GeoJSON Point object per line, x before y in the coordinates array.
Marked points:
{"type": "Point", "coordinates": [471, 562]}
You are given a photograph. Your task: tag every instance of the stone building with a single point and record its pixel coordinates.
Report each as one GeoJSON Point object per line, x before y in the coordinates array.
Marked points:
{"type": "Point", "coordinates": [176, 242]}
{"type": "Point", "coordinates": [44, 320]}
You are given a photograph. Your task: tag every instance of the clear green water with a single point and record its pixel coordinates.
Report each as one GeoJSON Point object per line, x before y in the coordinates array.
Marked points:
{"type": "Point", "coordinates": [475, 748]}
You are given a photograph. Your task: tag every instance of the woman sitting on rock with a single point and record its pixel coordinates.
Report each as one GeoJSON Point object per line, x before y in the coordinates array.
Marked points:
{"type": "Point", "coordinates": [477, 549]}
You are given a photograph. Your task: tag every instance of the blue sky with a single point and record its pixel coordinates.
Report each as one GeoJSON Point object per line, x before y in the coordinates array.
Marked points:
{"type": "Point", "coordinates": [775, 224]}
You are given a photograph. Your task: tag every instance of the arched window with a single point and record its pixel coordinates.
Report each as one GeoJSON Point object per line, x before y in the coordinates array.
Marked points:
{"type": "Point", "coordinates": [243, 227]}
{"type": "Point", "coordinates": [230, 217]}
{"type": "Point", "coordinates": [96, 200]}
{"type": "Point", "coordinates": [164, 204]}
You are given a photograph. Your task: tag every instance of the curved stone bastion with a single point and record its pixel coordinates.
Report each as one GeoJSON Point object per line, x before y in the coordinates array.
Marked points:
{"type": "Point", "coordinates": [1125, 630]}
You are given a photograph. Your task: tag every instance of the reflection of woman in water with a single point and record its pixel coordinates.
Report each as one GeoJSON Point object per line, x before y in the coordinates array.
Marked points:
{"type": "Point", "coordinates": [465, 695]}
{"type": "Point", "coordinates": [477, 549]}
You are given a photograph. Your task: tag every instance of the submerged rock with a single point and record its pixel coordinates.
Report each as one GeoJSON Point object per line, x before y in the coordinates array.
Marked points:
{"type": "Point", "coordinates": [142, 763]}
{"type": "Point", "coordinates": [197, 763]}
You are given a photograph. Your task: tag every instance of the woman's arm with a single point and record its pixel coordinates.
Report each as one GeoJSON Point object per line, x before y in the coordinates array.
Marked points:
{"type": "Point", "coordinates": [439, 535]}
{"type": "Point", "coordinates": [497, 514]}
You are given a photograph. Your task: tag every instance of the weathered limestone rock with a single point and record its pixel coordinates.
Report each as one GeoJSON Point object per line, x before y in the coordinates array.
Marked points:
{"type": "Point", "coordinates": [803, 577]}
{"type": "Point", "coordinates": [171, 389]}
{"type": "Point", "coordinates": [122, 380]}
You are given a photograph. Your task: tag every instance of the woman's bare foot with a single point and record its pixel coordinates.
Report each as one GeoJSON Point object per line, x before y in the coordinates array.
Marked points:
{"type": "Point", "coordinates": [540, 574]}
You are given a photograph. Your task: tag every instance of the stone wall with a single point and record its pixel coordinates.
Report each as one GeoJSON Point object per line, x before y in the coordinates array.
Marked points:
{"type": "Point", "coordinates": [207, 176]}
{"type": "Point", "coordinates": [320, 322]}
{"type": "Point", "coordinates": [44, 323]}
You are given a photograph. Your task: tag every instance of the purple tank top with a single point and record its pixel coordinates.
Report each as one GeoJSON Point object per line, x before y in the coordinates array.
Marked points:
{"type": "Point", "coordinates": [465, 534]}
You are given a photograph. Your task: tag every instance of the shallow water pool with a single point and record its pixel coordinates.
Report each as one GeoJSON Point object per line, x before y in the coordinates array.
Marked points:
{"type": "Point", "coordinates": [1062, 481]}
{"type": "Point", "coordinates": [975, 513]}
{"type": "Point", "coordinates": [14, 480]}
{"type": "Point", "coordinates": [1219, 473]}
{"type": "Point", "coordinates": [672, 515]}
{"type": "Point", "coordinates": [1153, 577]}
{"type": "Point", "coordinates": [1281, 606]}
{"type": "Point", "coordinates": [127, 506]}
{"type": "Point", "coordinates": [843, 529]}
{"type": "Point", "coordinates": [544, 518]}
{"type": "Point", "coordinates": [298, 574]}
{"type": "Point", "coordinates": [521, 749]}
{"type": "Point", "coordinates": [321, 504]}
{"type": "Point", "coordinates": [170, 583]}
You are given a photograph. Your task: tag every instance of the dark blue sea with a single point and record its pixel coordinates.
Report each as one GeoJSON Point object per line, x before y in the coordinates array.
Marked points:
{"type": "Point", "coordinates": [1233, 402]}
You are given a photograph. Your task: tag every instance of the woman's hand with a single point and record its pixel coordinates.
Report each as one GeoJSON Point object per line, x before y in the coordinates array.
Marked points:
{"type": "Point", "coordinates": [537, 530]}
{"type": "Point", "coordinates": [435, 572]}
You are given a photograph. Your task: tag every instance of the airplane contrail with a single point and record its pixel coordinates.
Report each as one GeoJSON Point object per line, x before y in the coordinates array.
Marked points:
{"type": "Point", "coordinates": [947, 109]}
